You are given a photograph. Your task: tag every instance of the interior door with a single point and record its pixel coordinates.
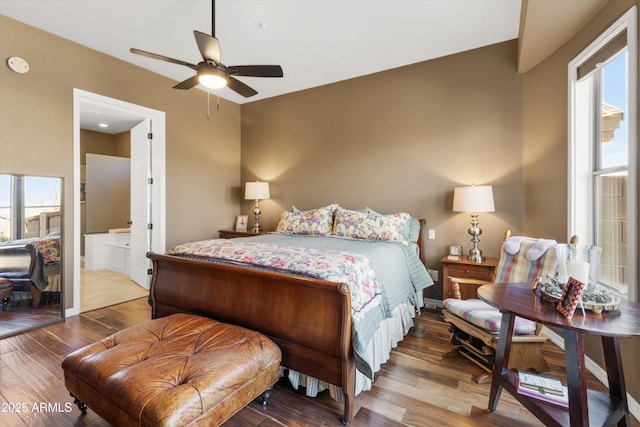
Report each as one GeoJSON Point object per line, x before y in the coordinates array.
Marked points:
{"type": "Point", "coordinates": [141, 220]}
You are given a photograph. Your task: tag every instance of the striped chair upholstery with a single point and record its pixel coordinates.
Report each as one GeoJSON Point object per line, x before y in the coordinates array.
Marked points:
{"type": "Point", "coordinates": [485, 316]}
{"type": "Point", "coordinates": [518, 267]}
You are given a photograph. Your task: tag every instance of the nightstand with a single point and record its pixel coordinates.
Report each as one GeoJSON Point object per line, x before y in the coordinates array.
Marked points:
{"type": "Point", "coordinates": [231, 234]}
{"type": "Point", "coordinates": [463, 268]}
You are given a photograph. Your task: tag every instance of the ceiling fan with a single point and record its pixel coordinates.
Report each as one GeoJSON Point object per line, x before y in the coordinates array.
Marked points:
{"type": "Point", "coordinates": [211, 72]}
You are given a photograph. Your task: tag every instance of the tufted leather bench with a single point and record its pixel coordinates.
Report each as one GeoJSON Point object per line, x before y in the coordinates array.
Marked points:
{"type": "Point", "coordinates": [173, 371]}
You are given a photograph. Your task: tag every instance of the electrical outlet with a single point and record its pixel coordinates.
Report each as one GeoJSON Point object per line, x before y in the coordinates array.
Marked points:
{"type": "Point", "coordinates": [432, 234]}
{"type": "Point", "coordinates": [433, 274]}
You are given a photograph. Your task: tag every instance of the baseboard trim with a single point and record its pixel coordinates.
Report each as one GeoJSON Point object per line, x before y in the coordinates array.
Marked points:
{"type": "Point", "coordinates": [432, 303]}
{"type": "Point", "coordinates": [595, 369]}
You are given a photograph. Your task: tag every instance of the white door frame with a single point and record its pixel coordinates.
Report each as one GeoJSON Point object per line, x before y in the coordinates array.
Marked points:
{"type": "Point", "coordinates": [157, 196]}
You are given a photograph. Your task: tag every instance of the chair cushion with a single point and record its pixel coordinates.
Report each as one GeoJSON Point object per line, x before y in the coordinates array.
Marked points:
{"type": "Point", "coordinates": [484, 316]}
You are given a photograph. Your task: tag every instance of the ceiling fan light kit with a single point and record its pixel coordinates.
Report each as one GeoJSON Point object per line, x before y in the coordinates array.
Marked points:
{"type": "Point", "coordinates": [212, 78]}
{"type": "Point", "coordinates": [211, 72]}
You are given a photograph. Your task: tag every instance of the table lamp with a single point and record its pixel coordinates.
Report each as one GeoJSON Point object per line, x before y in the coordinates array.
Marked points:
{"type": "Point", "coordinates": [257, 191]}
{"type": "Point", "coordinates": [474, 199]}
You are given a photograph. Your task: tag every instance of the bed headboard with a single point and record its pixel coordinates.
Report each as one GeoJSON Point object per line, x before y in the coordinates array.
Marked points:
{"type": "Point", "coordinates": [422, 245]}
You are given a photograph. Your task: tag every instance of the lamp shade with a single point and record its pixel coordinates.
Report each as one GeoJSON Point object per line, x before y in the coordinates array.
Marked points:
{"type": "Point", "coordinates": [256, 191]}
{"type": "Point", "coordinates": [474, 198]}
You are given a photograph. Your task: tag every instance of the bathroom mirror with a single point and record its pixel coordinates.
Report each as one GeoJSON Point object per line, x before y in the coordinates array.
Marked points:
{"type": "Point", "coordinates": [30, 252]}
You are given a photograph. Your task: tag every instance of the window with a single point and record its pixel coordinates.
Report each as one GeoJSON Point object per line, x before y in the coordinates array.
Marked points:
{"type": "Point", "coordinates": [29, 206]}
{"type": "Point", "coordinates": [603, 162]}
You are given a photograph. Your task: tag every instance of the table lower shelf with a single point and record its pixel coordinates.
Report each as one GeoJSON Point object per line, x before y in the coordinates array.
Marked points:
{"type": "Point", "coordinates": [603, 408]}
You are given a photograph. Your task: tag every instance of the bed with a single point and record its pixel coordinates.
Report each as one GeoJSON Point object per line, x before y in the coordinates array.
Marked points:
{"type": "Point", "coordinates": [335, 326]}
{"type": "Point", "coordinates": [33, 266]}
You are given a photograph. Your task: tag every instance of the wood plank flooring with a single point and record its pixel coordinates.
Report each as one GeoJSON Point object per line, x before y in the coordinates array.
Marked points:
{"type": "Point", "coordinates": [100, 288]}
{"type": "Point", "coordinates": [416, 387]}
{"type": "Point", "coordinates": [20, 318]}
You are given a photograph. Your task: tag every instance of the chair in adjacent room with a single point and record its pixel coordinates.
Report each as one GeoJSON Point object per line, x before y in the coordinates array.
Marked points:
{"type": "Point", "coordinates": [475, 325]}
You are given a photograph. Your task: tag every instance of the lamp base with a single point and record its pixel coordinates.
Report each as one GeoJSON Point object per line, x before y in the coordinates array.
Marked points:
{"type": "Point", "coordinates": [256, 212]}
{"type": "Point", "coordinates": [475, 254]}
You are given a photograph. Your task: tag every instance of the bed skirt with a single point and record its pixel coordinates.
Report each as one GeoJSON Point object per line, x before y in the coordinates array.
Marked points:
{"type": "Point", "coordinates": [391, 331]}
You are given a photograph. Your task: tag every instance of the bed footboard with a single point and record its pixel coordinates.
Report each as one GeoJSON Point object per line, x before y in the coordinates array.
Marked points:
{"type": "Point", "coordinates": [309, 319]}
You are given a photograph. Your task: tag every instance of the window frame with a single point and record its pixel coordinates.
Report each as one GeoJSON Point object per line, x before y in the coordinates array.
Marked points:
{"type": "Point", "coordinates": [582, 162]}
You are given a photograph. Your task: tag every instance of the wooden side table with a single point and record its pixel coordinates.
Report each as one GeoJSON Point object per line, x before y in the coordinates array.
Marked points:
{"type": "Point", "coordinates": [232, 234]}
{"type": "Point", "coordinates": [586, 407]}
{"type": "Point", "coordinates": [466, 269]}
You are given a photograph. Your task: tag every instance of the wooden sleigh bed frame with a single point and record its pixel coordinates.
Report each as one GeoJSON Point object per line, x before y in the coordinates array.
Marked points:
{"type": "Point", "coordinates": [309, 319]}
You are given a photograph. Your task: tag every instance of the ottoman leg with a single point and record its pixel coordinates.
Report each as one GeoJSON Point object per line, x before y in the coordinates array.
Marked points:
{"type": "Point", "coordinates": [5, 301]}
{"type": "Point", "coordinates": [80, 403]}
{"type": "Point", "coordinates": [264, 397]}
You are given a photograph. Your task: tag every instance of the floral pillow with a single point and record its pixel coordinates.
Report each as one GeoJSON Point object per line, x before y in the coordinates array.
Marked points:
{"type": "Point", "coordinates": [412, 227]}
{"type": "Point", "coordinates": [370, 226]}
{"type": "Point", "coordinates": [313, 222]}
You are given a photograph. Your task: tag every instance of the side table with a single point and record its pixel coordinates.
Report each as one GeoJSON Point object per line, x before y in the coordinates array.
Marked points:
{"type": "Point", "coordinates": [465, 269]}
{"type": "Point", "coordinates": [231, 234]}
{"type": "Point", "coordinates": [585, 406]}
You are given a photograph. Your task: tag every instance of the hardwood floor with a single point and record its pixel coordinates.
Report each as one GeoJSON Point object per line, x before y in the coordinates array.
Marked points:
{"type": "Point", "coordinates": [19, 318]}
{"type": "Point", "coordinates": [416, 387]}
{"type": "Point", "coordinates": [100, 288]}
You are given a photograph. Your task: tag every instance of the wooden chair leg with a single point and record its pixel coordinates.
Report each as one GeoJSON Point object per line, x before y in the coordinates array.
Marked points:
{"type": "Point", "coordinates": [35, 296]}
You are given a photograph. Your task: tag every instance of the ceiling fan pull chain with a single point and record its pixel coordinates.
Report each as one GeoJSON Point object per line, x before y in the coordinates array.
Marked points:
{"type": "Point", "coordinates": [218, 106]}
{"type": "Point", "coordinates": [207, 104]}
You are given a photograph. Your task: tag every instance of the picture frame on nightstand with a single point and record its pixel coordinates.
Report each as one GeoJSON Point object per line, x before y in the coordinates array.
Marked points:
{"type": "Point", "coordinates": [455, 252]}
{"type": "Point", "coordinates": [241, 222]}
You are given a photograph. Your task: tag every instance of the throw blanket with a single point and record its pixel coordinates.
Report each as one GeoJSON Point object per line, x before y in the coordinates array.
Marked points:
{"type": "Point", "coordinates": [333, 266]}
{"type": "Point", "coordinates": [49, 249]}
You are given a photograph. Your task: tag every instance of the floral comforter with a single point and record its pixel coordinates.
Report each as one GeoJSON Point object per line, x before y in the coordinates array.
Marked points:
{"type": "Point", "coordinates": [331, 265]}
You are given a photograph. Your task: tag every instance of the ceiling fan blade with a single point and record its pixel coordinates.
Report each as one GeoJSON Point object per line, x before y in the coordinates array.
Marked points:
{"type": "Point", "coordinates": [241, 88]}
{"type": "Point", "coordinates": [188, 84]}
{"type": "Point", "coordinates": [256, 70]}
{"type": "Point", "coordinates": [209, 47]}
{"type": "Point", "coordinates": [162, 58]}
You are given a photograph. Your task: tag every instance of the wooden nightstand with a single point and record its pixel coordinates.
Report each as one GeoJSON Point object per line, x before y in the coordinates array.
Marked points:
{"type": "Point", "coordinates": [466, 269]}
{"type": "Point", "coordinates": [231, 234]}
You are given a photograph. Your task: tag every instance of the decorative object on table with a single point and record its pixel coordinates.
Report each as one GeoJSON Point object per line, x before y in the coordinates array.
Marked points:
{"type": "Point", "coordinates": [455, 252]}
{"type": "Point", "coordinates": [583, 263]}
{"type": "Point", "coordinates": [241, 222]}
{"type": "Point", "coordinates": [474, 199]}
{"type": "Point", "coordinates": [257, 191]}
{"type": "Point", "coordinates": [547, 389]}
{"type": "Point", "coordinates": [570, 297]}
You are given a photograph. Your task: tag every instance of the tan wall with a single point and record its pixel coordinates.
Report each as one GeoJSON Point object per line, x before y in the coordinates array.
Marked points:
{"type": "Point", "coordinates": [36, 131]}
{"type": "Point", "coordinates": [545, 156]}
{"type": "Point", "coordinates": [399, 140]}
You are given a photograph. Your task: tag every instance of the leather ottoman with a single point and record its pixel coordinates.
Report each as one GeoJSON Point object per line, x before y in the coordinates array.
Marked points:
{"type": "Point", "coordinates": [6, 290]}
{"type": "Point", "coordinates": [173, 371]}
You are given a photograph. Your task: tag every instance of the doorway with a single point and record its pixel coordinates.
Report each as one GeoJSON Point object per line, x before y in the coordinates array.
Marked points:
{"type": "Point", "coordinates": [151, 185]}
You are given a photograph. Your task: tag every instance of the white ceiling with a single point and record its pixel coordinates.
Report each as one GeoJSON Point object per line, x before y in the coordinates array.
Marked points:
{"type": "Point", "coordinates": [315, 41]}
